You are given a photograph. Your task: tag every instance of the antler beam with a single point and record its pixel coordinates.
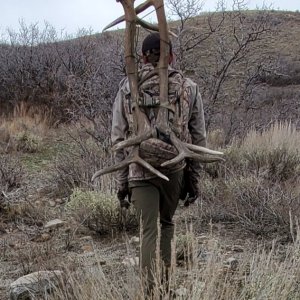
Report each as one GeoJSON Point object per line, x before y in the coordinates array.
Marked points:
{"type": "Point", "coordinates": [139, 21]}
{"type": "Point", "coordinates": [143, 130]}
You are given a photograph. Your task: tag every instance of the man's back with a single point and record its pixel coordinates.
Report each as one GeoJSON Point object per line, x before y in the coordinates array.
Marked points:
{"type": "Point", "coordinates": [184, 106]}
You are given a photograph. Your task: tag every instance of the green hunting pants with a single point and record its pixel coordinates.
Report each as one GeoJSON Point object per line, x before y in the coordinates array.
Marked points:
{"type": "Point", "coordinates": [153, 199]}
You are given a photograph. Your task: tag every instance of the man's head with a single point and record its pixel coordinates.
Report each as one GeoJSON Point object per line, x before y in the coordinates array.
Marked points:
{"type": "Point", "coordinates": [151, 49]}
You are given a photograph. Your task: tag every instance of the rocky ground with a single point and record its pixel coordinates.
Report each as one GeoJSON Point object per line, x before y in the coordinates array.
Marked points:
{"type": "Point", "coordinates": [40, 236]}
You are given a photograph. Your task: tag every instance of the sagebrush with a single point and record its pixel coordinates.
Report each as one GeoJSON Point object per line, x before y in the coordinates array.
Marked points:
{"type": "Point", "coordinates": [100, 212]}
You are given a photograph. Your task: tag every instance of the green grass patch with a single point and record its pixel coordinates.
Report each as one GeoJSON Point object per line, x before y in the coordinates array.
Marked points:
{"type": "Point", "coordinates": [37, 162]}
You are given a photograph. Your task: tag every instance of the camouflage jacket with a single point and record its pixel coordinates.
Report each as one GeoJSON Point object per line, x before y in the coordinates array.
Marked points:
{"type": "Point", "coordinates": [121, 128]}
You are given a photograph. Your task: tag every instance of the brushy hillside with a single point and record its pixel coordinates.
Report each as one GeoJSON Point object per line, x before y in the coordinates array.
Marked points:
{"type": "Point", "coordinates": [240, 240]}
{"type": "Point", "coordinates": [246, 63]}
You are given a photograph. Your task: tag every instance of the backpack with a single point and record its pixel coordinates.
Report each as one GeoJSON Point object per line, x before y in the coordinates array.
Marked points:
{"type": "Point", "coordinates": [156, 151]}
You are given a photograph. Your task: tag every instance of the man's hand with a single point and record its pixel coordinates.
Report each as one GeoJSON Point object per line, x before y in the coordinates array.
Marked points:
{"type": "Point", "coordinates": [122, 193]}
{"type": "Point", "coordinates": [190, 189]}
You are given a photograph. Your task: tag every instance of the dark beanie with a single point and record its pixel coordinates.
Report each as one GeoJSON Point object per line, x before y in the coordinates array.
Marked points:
{"type": "Point", "coordinates": [151, 42]}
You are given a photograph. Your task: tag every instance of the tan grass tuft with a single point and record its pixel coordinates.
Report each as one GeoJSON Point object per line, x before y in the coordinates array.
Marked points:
{"type": "Point", "coordinates": [25, 129]}
{"type": "Point", "coordinates": [281, 135]}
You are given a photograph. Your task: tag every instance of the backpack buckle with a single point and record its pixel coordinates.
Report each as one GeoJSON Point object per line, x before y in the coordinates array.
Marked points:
{"type": "Point", "coordinates": [147, 100]}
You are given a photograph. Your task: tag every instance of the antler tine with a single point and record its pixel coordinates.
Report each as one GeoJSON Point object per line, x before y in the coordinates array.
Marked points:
{"type": "Point", "coordinates": [135, 140]}
{"type": "Point", "coordinates": [191, 151]}
{"type": "Point", "coordinates": [138, 10]}
{"type": "Point", "coordinates": [114, 23]}
{"type": "Point", "coordinates": [199, 149]}
{"type": "Point", "coordinates": [131, 159]}
{"type": "Point", "coordinates": [153, 27]}
{"type": "Point", "coordinates": [139, 21]}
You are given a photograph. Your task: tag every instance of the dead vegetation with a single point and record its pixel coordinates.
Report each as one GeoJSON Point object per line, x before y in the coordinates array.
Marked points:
{"type": "Point", "coordinates": [257, 187]}
{"type": "Point", "coordinates": [251, 199]}
{"type": "Point", "coordinates": [245, 63]}
{"type": "Point", "coordinates": [25, 129]}
{"type": "Point", "coordinates": [256, 190]}
{"type": "Point", "coordinates": [264, 273]}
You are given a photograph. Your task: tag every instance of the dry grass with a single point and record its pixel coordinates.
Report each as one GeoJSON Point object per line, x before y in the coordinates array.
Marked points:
{"type": "Point", "coordinates": [280, 135]}
{"type": "Point", "coordinates": [25, 129]}
{"type": "Point", "coordinates": [272, 153]}
{"type": "Point", "coordinates": [257, 189]}
{"type": "Point", "coordinates": [258, 186]}
{"type": "Point", "coordinates": [262, 274]}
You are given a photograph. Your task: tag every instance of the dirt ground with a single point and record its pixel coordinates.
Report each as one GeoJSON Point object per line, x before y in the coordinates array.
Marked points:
{"type": "Point", "coordinates": [27, 246]}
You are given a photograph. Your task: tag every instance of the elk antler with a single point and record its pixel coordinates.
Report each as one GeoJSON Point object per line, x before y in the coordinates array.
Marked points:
{"type": "Point", "coordinates": [143, 130]}
{"type": "Point", "coordinates": [139, 21]}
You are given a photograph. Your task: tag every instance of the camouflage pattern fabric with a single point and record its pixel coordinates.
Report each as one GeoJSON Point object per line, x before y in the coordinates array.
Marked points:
{"type": "Point", "coordinates": [185, 117]}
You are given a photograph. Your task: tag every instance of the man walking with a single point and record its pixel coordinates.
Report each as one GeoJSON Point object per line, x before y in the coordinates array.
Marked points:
{"type": "Point", "coordinates": [155, 199]}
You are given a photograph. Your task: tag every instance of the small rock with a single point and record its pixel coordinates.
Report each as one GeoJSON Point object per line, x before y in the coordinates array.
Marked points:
{"type": "Point", "coordinates": [35, 284]}
{"type": "Point", "coordinates": [131, 261]}
{"type": "Point", "coordinates": [86, 238]}
{"type": "Point", "coordinates": [59, 201]}
{"type": "Point", "coordinates": [135, 240]}
{"type": "Point", "coordinates": [54, 224]}
{"type": "Point", "coordinates": [237, 248]}
{"type": "Point", "coordinates": [234, 248]}
{"type": "Point", "coordinates": [52, 203]}
{"type": "Point", "coordinates": [87, 248]}
{"type": "Point", "coordinates": [12, 244]}
{"type": "Point", "coordinates": [44, 237]}
{"type": "Point", "coordinates": [232, 263]}
{"type": "Point", "coordinates": [181, 293]}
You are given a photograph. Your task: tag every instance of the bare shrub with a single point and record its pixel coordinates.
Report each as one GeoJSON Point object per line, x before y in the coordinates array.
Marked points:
{"type": "Point", "coordinates": [11, 173]}
{"type": "Point", "coordinates": [100, 212]}
{"type": "Point", "coordinates": [79, 160]}
{"type": "Point", "coordinates": [11, 178]}
{"type": "Point", "coordinates": [259, 207]}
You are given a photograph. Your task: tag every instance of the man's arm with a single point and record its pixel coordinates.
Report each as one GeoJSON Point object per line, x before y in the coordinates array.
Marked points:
{"type": "Point", "coordinates": [118, 134]}
{"type": "Point", "coordinates": [197, 122]}
{"type": "Point", "coordinates": [197, 131]}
